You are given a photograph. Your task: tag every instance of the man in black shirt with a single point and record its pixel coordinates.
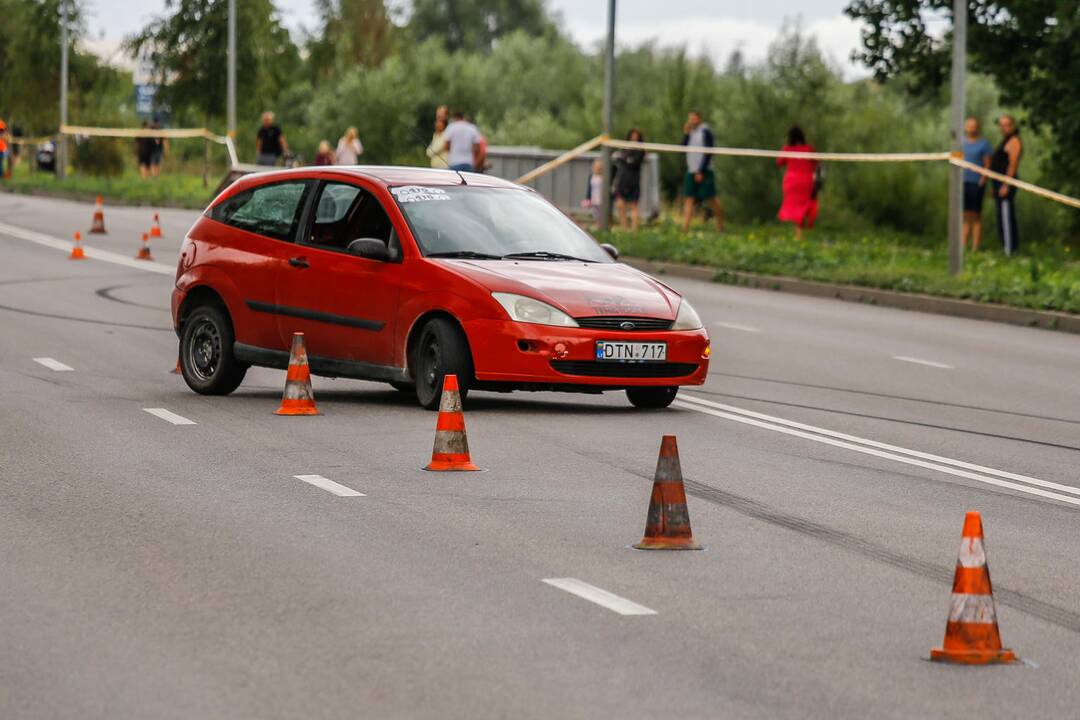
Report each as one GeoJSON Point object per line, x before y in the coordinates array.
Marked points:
{"type": "Point", "coordinates": [270, 143]}
{"type": "Point", "coordinates": [1006, 160]}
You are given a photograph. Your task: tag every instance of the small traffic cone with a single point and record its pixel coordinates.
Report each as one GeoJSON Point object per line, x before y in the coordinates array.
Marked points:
{"type": "Point", "coordinates": [176, 370]}
{"type": "Point", "coordinates": [667, 526]}
{"type": "Point", "coordinates": [76, 249]}
{"type": "Point", "coordinates": [451, 451]}
{"type": "Point", "coordinates": [298, 398]}
{"type": "Point", "coordinates": [144, 251]}
{"type": "Point", "coordinates": [155, 229]}
{"type": "Point", "coordinates": [971, 634]}
{"type": "Point", "coordinates": [98, 226]}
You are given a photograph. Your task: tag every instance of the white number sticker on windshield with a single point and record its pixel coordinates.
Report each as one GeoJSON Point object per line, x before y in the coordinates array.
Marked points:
{"type": "Point", "coordinates": [415, 193]}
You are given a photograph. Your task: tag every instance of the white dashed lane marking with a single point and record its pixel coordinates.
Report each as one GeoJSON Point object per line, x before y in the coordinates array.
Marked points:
{"type": "Point", "coordinates": [601, 597]}
{"type": "Point", "coordinates": [919, 361]}
{"type": "Point", "coordinates": [169, 416]}
{"type": "Point", "coordinates": [53, 364]}
{"type": "Point", "coordinates": [329, 486]}
{"type": "Point", "coordinates": [736, 326]}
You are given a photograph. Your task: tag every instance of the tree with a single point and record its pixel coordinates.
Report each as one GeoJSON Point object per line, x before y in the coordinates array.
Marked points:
{"type": "Point", "coordinates": [187, 48]}
{"type": "Point", "coordinates": [352, 32]}
{"type": "Point", "coordinates": [1030, 47]}
{"type": "Point", "coordinates": [475, 25]}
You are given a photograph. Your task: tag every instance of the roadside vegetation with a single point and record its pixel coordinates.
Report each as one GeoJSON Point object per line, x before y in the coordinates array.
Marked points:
{"type": "Point", "coordinates": [174, 189]}
{"type": "Point", "coordinates": [1046, 277]}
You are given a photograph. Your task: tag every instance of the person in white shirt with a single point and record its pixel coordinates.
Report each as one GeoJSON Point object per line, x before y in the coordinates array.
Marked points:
{"type": "Point", "coordinates": [463, 143]}
{"type": "Point", "coordinates": [349, 148]}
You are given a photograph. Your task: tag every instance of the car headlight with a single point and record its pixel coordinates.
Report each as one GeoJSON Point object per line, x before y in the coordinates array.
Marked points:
{"type": "Point", "coordinates": [687, 319]}
{"type": "Point", "coordinates": [528, 310]}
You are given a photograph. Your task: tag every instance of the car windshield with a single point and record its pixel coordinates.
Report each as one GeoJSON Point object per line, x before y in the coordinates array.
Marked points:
{"type": "Point", "coordinates": [492, 223]}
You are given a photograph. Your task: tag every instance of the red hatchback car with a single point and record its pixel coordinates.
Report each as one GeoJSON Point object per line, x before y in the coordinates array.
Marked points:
{"type": "Point", "coordinates": [404, 275]}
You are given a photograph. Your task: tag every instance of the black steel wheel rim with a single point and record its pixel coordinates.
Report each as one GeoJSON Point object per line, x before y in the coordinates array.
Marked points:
{"type": "Point", "coordinates": [204, 350]}
{"type": "Point", "coordinates": [429, 365]}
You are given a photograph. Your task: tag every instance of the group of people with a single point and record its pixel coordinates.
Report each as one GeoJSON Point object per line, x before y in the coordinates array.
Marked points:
{"type": "Point", "coordinates": [456, 143]}
{"type": "Point", "coordinates": [272, 147]}
{"type": "Point", "coordinates": [150, 151]}
{"type": "Point", "coordinates": [803, 180]}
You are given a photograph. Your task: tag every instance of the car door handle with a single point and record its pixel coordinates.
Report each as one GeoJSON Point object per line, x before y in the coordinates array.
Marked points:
{"type": "Point", "coordinates": [299, 262]}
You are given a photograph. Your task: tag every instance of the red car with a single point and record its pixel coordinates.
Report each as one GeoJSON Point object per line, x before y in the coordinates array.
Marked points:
{"type": "Point", "coordinates": [407, 274]}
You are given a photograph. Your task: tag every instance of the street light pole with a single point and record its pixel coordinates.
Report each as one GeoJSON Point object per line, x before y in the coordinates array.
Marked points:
{"type": "Point", "coordinates": [956, 126]}
{"type": "Point", "coordinates": [609, 102]}
{"type": "Point", "coordinates": [230, 100]}
{"type": "Point", "coordinates": [61, 154]}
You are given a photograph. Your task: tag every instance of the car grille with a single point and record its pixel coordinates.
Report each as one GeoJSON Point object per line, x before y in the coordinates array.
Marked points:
{"type": "Point", "coordinates": [591, 368]}
{"type": "Point", "coordinates": [613, 322]}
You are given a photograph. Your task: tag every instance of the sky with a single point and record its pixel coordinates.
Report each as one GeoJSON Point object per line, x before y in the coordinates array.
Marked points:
{"type": "Point", "coordinates": [713, 27]}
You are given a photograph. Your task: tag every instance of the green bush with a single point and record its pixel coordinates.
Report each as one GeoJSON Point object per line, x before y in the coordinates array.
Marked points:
{"type": "Point", "coordinates": [101, 157]}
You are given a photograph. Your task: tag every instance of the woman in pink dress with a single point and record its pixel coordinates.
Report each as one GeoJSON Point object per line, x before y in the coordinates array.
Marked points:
{"type": "Point", "coordinates": [800, 195]}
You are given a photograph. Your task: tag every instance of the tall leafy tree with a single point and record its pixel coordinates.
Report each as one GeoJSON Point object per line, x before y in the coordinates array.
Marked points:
{"type": "Point", "coordinates": [1030, 47]}
{"type": "Point", "coordinates": [351, 32]}
{"type": "Point", "coordinates": [475, 25]}
{"type": "Point", "coordinates": [187, 48]}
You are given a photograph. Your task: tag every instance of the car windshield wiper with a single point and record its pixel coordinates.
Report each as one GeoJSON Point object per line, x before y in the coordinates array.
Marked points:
{"type": "Point", "coordinates": [465, 254]}
{"type": "Point", "coordinates": [544, 255]}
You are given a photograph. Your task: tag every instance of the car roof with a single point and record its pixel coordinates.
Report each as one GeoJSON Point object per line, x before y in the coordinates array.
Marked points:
{"type": "Point", "coordinates": [388, 175]}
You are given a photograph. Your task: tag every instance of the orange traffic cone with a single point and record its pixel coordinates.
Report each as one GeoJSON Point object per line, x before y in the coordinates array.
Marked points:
{"type": "Point", "coordinates": [76, 249]}
{"type": "Point", "coordinates": [98, 226]}
{"type": "Point", "coordinates": [144, 251]}
{"type": "Point", "coordinates": [298, 398]}
{"type": "Point", "coordinates": [176, 370]}
{"type": "Point", "coordinates": [667, 526]}
{"type": "Point", "coordinates": [451, 451]}
{"type": "Point", "coordinates": [971, 635]}
{"type": "Point", "coordinates": [155, 229]}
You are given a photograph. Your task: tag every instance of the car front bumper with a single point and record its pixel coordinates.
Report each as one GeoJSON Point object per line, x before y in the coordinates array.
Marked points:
{"type": "Point", "coordinates": [525, 354]}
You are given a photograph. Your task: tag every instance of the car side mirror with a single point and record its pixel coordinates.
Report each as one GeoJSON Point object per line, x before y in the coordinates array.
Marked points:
{"type": "Point", "coordinates": [611, 250]}
{"type": "Point", "coordinates": [370, 248]}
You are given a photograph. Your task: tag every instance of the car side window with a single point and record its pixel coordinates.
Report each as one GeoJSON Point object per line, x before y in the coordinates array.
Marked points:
{"type": "Point", "coordinates": [346, 212]}
{"type": "Point", "coordinates": [271, 210]}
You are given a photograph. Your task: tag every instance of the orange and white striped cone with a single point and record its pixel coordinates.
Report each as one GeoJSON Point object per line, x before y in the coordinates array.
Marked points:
{"type": "Point", "coordinates": [98, 225]}
{"type": "Point", "coordinates": [451, 451]}
{"type": "Point", "coordinates": [971, 634]}
{"type": "Point", "coordinates": [667, 526]}
{"type": "Point", "coordinates": [298, 398]}
{"type": "Point", "coordinates": [155, 229]}
{"type": "Point", "coordinates": [176, 370]}
{"type": "Point", "coordinates": [76, 249]}
{"type": "Point", "coordinates": [144, 250]}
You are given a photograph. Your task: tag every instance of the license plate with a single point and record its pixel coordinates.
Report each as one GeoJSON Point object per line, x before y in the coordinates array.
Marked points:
{"type": "Point", "coordinates": [630, 352]}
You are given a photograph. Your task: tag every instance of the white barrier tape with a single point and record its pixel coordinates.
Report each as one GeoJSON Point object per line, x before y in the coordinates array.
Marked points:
{"type": "Point", "coordinates": [178, 133]}
{"type": "Point", "coordinates": [562, 159]}
{"type": "Point", "coordinates": [1050, 194]}
{"type": "Point", "coordinates": [754, 152]}
{"type": "Point", "coordinates": [31, 141]}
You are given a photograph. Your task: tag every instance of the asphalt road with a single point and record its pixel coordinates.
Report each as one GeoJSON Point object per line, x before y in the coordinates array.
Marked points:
{"type": "Point", "coordinates": [155, 570]}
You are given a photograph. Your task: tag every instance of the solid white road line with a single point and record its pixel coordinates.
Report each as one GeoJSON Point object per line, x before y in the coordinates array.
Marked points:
{"type": "Point", "coordinates": [959, 468]}
{"type": "Point", "coordinates": [917, 361]}
{"type": "Point", "coordinates": [53, 364]}
{"type": "Point", "coordinates": [329, 485]}
{"type": "Point", "coordinates": [736, 326]}
{"type": "Point", "coordinates": [599, 596]}
{"type": "Point", "coordinates": [168, 416]}
{"type": "Point", "coordinates": [93, 253]}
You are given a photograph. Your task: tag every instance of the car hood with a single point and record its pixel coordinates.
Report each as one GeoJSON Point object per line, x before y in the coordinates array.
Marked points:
{"type": "Point", "coordinates": [580, 289]}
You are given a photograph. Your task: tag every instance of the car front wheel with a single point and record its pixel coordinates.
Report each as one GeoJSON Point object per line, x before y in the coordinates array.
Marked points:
{"type": "Point", "coordinates": [206, 352]}
{"type": "Point", "coordinates": [651, 397]}
{"type": "Point", "coordinates": [440, 351]}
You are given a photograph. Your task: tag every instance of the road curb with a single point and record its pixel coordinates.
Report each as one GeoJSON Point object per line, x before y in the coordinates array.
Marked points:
{"type": "Point", "coordinates": [993, 312]}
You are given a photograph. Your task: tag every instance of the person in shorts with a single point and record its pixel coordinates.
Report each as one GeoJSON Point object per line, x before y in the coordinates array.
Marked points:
{"type": "Point", "coordinates": [628, 180]}
{"type": "Point", "coordinates": [700, 183]}
{"type": "Point", "coordinates": [144, 152]}
{"type": "Point", "coordinates": [977, 151]}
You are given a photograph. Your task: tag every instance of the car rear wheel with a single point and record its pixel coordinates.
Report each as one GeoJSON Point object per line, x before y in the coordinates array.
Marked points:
{"type": "Point", "coordinates": [441, 350]}
{"type": "Point", "coordinates": [206, 352]}
{"type": "Point", "coordinates": [651, 397]}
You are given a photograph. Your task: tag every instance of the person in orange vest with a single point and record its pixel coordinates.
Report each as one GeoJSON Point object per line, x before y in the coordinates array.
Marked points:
{"type": "Point", "coordinates": [3, 149]}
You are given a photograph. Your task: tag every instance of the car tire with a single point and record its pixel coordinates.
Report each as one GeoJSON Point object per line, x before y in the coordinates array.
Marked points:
{"type": "Point", "coordinates": [206, 352]}
{"type": "Point", "coordinates": [651, 398]}
{"type": "Point", "coordinates": [441, 350]}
